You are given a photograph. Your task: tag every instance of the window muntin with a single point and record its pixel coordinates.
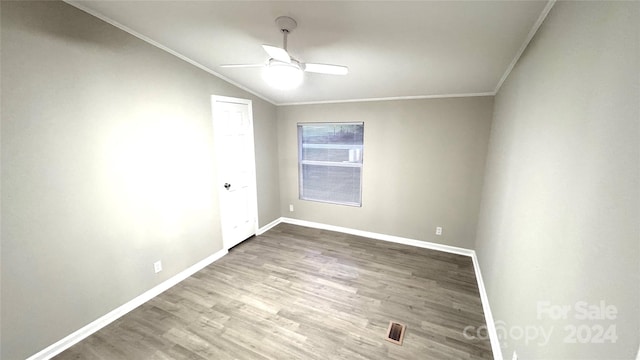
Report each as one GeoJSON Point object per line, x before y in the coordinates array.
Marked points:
{"type": "Point", "coordinates": [330, 162]}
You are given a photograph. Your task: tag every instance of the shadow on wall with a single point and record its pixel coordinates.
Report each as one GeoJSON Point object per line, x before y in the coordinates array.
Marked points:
{"type": "Point", "coordinates": [84, 30]}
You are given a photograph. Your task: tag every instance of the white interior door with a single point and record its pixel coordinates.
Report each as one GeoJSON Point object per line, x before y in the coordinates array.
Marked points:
{"type": "Point", "coordinates": [233, 133]}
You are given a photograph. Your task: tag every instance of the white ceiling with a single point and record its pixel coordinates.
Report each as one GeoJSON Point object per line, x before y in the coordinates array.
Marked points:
{"type": "Point", "coordinates": [394, 49]}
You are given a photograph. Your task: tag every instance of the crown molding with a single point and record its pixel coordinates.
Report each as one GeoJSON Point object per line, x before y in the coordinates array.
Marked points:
{"type": "Point", "coordinates": [525, 44]}
{"type": "Point", "coordinates": [162, 47]}
{"type": "Point", "coordinates": [417, 97]}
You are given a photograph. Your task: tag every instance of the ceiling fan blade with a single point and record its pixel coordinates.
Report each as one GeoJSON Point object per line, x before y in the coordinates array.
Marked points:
{"type": "Point", "coordinates": [277, 53]}
{"type": "Point", "coordinates": [240, 65]}
{"type": "Point", "coordinates": [326, 69]}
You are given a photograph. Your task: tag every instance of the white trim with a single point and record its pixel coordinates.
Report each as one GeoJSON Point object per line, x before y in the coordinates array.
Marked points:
{"type": "Point", "coordinates": [269, 226]}
{"type": "Point", "coordinates": [150, 41]}
{"type": "Point", "coordinates": [532, 33]}
{"type": "Point", "coordinates": [96, 325]}
{"type": "Point", "coordinates": [638, 356]}
{"type": "Point", "coordinates": [491, 327]}
{"type": "Point", "coordinates": [488, 316]}
{"type": "Point", "coordinates": [229, 99]}
{"type": "Point", "coordinates": [417, 97]}
{"type": "Point", "coordinates": [383, 237]}
{"type": "Point", "coordinates": [372, 235]}
{"type": "Point", "coordinates": [162, 47]}
{"type": "Point", "coordinates": [80, 334]}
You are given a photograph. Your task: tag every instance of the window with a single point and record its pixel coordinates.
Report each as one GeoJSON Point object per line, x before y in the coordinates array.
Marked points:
{"type": "Point", "coordinates": [330, 162]}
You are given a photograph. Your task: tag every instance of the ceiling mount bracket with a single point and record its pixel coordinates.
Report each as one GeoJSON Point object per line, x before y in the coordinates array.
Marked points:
{"type": "Point", "coordinates": [286, 24]}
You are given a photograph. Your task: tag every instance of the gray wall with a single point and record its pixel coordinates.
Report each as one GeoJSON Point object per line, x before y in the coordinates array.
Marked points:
{"type": "Point", "coordinates": [560, 211]}
{"type": "Point", "coordinates": [265, 129]}
{"type": "Point", "coordinates": [107, 166]}
{"type": "Point", "coordinates": [423, 164]}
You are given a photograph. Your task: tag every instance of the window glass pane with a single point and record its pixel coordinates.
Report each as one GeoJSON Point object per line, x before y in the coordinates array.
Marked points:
{"type": "Point", "coordinates": [332, 134]}
{"type": "Point", "coordinates": [330, 162]}
{"type": "Point", "coordinates": [332, 183]}
{"type": "Point", "coordinates": [332, 142]}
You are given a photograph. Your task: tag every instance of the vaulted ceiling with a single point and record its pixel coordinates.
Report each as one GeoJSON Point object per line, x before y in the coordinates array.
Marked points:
{"type": "Point", "coordinates": [394, 49]}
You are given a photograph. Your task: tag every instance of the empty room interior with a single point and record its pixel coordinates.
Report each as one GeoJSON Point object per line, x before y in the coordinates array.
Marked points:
{"type": "Point", "coordinates": [320, 180]}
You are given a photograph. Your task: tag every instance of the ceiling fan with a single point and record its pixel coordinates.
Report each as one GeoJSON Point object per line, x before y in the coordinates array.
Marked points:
{"type": "Point", "coordinates": [281, 70]}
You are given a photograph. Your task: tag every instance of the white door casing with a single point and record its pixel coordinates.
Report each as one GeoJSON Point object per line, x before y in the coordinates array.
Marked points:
{"type": "Point", "coordinates": [233, 135]}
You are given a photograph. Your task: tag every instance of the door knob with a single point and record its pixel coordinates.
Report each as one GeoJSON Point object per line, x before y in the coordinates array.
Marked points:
{"type": "Point", "coordinates": [227, 186]}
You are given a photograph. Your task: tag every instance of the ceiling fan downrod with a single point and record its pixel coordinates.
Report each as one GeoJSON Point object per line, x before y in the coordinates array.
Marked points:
{"type": "Point", "coordinates": [285, 33]}
{"type": "Point", "coordinates": [286, 25]}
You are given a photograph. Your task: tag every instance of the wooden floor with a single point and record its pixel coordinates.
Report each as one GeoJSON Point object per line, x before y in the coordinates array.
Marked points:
{"type": "Point", "coordinates": [302, 293]}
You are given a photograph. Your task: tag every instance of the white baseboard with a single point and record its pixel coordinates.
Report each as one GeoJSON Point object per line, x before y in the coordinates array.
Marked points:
{"type": "Point", "coordinates": [105, 320]}
{"type": "Point", "coordinates": [384, 237]}
{"type": "Point", "coordinates": [268, 227]}
{"type": "Point", "coordinates": [488, 316]}
{"type": "Point", "coordinates": [82, 333]}
{"type": "Point", "coordinates": [491, 327]}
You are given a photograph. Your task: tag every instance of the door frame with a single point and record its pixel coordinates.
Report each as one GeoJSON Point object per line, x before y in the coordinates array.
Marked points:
{"type": "Point", "coordinates": [215, 101]}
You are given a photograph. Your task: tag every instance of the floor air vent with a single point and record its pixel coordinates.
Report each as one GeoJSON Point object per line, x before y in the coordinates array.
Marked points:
{"type": "Point", "coordinates": [395, 333]}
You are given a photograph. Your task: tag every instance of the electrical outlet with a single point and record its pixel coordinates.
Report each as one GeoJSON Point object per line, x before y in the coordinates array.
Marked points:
{"type": "Point", "coordinates": [515, 356]}
{"type": "Point", "coordinates": [439, 230]}
{"type": "Point", "coordinates": [157, 266]}
{"type": "Point", "coordinates": [290, 207]}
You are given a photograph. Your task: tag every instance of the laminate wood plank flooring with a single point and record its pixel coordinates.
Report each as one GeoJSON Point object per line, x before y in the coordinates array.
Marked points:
{"type": "Point", "coordinates": [304, 293]}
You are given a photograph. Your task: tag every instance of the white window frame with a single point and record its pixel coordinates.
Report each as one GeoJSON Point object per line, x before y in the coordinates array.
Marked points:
{"type": "Point", "coordinates": [302, 162]}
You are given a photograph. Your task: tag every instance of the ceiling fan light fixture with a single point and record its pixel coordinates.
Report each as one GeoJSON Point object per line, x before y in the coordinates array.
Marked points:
{"type": "Point", "coordinates": [283, 76]}
{"type": "Point", "coordinates": [282, 72]}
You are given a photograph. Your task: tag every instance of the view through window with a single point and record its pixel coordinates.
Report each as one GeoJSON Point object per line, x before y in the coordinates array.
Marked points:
{"type": "Point", "coordinates": [330, 162]}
